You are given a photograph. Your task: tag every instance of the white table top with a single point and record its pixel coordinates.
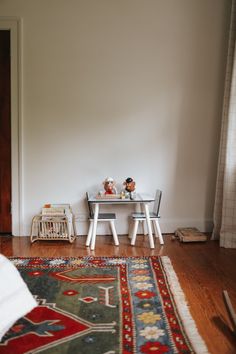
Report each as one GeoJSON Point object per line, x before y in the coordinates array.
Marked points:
{"type": "Point", "coordinates": [139, 198]}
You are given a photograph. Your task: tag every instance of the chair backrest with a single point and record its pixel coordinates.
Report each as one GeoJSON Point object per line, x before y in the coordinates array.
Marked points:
{"type": "Point", "coordinates": [90, 209]}
{"type": "Point", "coordinates": [157, 202]}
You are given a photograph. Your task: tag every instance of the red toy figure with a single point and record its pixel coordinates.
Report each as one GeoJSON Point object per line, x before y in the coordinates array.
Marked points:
{"type": "Point", "coordinates": [109, 186]}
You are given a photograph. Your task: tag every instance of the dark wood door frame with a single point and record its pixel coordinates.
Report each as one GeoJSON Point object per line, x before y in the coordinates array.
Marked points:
{"type": "Point", "coordinates": [14, 25]}
{"type": "Point", "coordinates": [5, 134]}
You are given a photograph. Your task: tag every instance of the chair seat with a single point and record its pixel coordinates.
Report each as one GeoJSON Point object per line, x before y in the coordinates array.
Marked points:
{"type": "Point", "coordinates": [142, 216]}
{"type": "Point", "coordinates": [105, 216]}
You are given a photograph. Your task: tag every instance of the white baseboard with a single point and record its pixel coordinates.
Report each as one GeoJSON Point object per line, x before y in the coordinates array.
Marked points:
{"type": "Point", "coordinates": [170, 225]}
{"type": "Point", "coordinates": [166, 225]}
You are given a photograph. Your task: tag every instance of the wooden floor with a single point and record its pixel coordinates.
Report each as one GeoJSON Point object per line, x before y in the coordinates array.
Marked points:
{"type": "Point", "coordinates": [204, 271]}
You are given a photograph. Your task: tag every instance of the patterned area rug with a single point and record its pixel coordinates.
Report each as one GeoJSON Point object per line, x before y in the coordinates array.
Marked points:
{"type": "Point", "coordinates": [103, 306]}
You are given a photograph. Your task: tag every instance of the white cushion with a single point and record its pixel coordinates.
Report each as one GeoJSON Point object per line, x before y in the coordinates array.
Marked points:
{"type": "Point", "coordinates": [15, 298]}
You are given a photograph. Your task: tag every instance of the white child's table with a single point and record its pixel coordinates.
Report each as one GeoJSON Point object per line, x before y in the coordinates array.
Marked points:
{"type": "Point", "coordinates": [142, 199]}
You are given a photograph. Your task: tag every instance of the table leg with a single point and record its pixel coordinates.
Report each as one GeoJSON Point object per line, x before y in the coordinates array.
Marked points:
{"type": "Point", "coordinates": [151, 242]}
{"type": "Point", "coordinates": [89, 237]}
{"type": "Point", "coordinates": [134, 232]}
{"type": "Point", "coordinates": [95, 221]}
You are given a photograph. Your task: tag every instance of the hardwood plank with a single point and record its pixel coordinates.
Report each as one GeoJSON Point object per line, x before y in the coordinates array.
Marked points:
{"type": "Point", "coordinates": [204, 271]}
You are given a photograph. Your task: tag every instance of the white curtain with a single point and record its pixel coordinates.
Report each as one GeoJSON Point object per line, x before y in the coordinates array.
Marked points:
{"type": "Point", "coordinates": [225, 200]}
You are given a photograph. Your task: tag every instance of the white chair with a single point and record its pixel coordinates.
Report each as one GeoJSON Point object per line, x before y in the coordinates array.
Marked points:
{"type": "Point", "coordinates": [154, 216]}
{"type": "Point", "coordinates": [110, 217]}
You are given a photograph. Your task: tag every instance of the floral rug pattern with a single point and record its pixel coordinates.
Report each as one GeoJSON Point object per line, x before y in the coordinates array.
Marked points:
{"type": "Point", "coordinates": [99, 306]}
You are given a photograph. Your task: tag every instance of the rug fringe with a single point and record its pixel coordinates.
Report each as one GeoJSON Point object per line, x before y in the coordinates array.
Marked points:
{"type": "Point", "coordinates": [191, 330]}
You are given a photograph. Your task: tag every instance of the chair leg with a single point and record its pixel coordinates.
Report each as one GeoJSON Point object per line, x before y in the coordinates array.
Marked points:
{"type": "Point", "coordinates": [88, 240]}
{"type": "Point", "coordinates": [113, 229]}
{"type": "Point", "coordinates": [144, 228]}
{"type": "Point", "coordinates": [155, 228]}
{"type": "Point", "coordinates": [149, 226]}
{"type": "Point", "coordinates": [130, 229]}
{"type": "Point", "coordinates": [158, 231]}
{"type": "Point", "coordinates": [134, 233]}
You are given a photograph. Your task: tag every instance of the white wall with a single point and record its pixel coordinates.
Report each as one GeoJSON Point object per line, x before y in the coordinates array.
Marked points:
{"type": "Point", "coordinates": [122, 88]}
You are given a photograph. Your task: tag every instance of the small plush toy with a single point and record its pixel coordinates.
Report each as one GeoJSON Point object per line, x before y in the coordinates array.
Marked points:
{"type": "Point", "coordinates": [109, 186]}
{"type": "Point", "coordinates": [129, 185]}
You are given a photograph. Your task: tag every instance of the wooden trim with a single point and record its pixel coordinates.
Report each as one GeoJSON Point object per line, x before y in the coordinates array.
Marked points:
{"type": "Point", "coordinates": [14, 25]}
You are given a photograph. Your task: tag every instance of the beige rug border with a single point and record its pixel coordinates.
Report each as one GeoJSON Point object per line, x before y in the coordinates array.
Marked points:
{"type": "Point", "coordinates": [189, 324]}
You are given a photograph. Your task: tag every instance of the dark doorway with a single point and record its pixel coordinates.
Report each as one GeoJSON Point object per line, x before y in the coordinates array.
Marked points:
{"type": "Point", "coordinates": [5, 133]}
